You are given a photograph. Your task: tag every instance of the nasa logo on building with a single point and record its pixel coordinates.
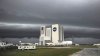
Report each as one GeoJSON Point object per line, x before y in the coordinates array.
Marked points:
{"type": "Point", "coordinates": [54, 29]}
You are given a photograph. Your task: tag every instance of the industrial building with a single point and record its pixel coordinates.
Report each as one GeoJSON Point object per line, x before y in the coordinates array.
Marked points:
{"type": "Point", "coordinates": [51, 34]}
{"type": "Point", "coordinates": [2, 44]}
{"type": "Point", "coordinates": [23, 46]}
{"type": "Point", "coordinates": [28, 46]}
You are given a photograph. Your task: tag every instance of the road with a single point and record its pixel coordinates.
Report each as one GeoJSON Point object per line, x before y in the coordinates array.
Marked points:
{"type": "Point", "coordinates": [88, 52]}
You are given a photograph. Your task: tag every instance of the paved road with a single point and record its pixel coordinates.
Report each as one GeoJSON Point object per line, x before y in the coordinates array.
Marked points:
{"type": "Point", "coordinates": [88, 52]}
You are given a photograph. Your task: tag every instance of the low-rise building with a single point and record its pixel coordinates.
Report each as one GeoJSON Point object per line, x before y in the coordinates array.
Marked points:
{"type": "Point", "coordinates": [96, 44]}
{"type": "Point", "coordinates": [67, 43]}
{"type": "Point", "coordinates": [61, 43]}
{"type": "Point", "coordinates": [77, 44]}
{"type": "Point", "coordinates": [10, 44]}
{"type": "Point", "coordinates": [36, 44]}
{"type": "Point", "coordinates": [2, 44]}
{"type": "Point", "coordinates": [23, 46]}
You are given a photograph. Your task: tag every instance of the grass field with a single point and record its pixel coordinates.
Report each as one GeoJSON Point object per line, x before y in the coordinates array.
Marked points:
{"type": "Point", "coordinates": [43, 51]}
{"type": "Point", "coordinates": [39, 52]}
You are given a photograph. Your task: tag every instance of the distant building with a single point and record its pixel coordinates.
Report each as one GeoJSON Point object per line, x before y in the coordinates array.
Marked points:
{"type": "Point", "coordinates": [77, 44]}
{"type": "Point", "coordinates": [67, 43]}
{"type": "Point", "coordinates": [96, 44]}
{"type": "Point", "coordinates": [23, 46]}
{"type": "Point", "coordinates": [10, 44]}
{"type": "Point", "coordinates": [2, 44]}
{"type": "Point", "coordinates": [36, 44]}
{"type": "Point", "coordinates": [51, 34]}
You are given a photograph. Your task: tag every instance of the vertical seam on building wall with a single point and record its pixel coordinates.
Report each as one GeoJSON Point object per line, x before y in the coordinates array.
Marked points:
{"type": "Point", "coordinates": [62, 34]}
{"type": "Point", "coordinates": [51, 33]}
{"type": "Point", "coordinates": [45, 30]}
{"type": "Point", "coordinates": [59, 32]}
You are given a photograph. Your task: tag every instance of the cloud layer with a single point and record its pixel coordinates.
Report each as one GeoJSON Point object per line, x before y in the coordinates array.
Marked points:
{"type": "Point", "coordinates": [77, 16]}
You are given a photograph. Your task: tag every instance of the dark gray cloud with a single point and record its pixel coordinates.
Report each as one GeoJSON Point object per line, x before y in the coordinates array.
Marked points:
{"type": "Point", "coordinates": [78, 12]}
{"type": "Point", "coordinates": [82, 40]}
{"type": "Point", "coordinates": [77, 16]}
{"type": "Point", "coordinates": [16, 40]}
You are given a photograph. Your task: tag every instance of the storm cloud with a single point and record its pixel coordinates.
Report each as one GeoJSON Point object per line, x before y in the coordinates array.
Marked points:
{"type": "Point", "coordinates": [79, 17]}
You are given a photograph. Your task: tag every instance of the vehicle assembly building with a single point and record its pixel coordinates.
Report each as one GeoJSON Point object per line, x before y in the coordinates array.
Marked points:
{"type": "Point", "coordinates": [51, 34]}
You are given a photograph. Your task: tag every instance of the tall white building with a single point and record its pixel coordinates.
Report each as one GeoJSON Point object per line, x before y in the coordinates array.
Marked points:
{"type": "Point", "coordinates": [51, 34]}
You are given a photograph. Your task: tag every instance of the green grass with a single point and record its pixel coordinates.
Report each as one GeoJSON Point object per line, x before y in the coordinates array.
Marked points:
{"type": "Point", "coordinates": [13, 51]}
{"type": "Point", "coordinates": [84, 46]}
{"type": "Point", "coordinates": [40, 52]}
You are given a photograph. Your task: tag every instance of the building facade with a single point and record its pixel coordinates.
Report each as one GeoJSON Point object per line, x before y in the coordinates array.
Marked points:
{"type": "Point", "coordinates": [2, 44]}
{"type": "Point", "coordinates": [51, 34]}
{"type": "Point", "coordinates": [28, 46]}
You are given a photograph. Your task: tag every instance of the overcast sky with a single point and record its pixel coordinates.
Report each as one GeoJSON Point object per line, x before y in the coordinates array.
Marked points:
{"type": "Point", "coordinates": [24, 17]}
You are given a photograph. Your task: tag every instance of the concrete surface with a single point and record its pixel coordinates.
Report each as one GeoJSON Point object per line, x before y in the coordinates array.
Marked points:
{"type": "Point", "coordinates": [88, 52]}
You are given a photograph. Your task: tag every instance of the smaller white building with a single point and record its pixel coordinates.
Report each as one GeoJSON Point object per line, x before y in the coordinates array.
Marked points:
{"type": "Point", "coordinates": [2, 44]}
{"type": "Point", "coordinates": [50, 44]}
{"type": "Point", "coordinates": [67, 43]}
{"type": "Point", "coordinates": [10, 44]}
{"type": "Point", "coordinates": [23, 46]}
{"type": "Point", "coordinates": [61, 43]}
{"type": "Point", "coordinates": [36, 44]}
{"type": "Point", "coordinates": [77, 44]}
{"type": "Point", "coordinates": [96, 44]}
